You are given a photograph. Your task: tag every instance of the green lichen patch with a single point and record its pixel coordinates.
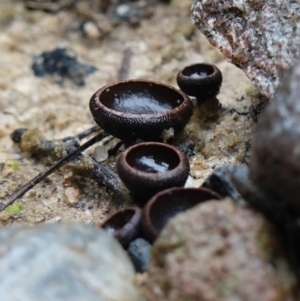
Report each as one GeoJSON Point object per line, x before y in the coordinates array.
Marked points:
{"type": "Point", "coordinates": [14, 164]}
{"type": "Point", "coordinates": [14, 209]}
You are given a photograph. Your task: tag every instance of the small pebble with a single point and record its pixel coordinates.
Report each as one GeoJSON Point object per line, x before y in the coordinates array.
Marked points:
{"type": "Point", "coordinates": [128, 13]}
{"type": "Point", "coordinates": [139, 252]}
{"type": "Point", "coordinates": [16, 135]}
{"type": "Point", "coordinates": [100, 153]}
{"type": "Point", "coordinates": [220, 181]}
{"type": "Point", "coordinates": [91, 30]}
{"type": "Point", "coordinates": [122, 10]}
{"type": "Point", "coordinates": [72, 195]}
{"type": "Point", "coordinates": [53, 220]}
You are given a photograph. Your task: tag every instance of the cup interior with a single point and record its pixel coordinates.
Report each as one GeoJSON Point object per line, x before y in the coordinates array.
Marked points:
{"type": "Point", "coordinates": [152, 158]}
{"type": "Point", "coordinates": [118, 220]}
{"type": "Point", "coordinates": [198, 71]}
{"type": "Point", "coordinates": [174, 201]}
{"type": "Point", "coordinates": [139, 97]}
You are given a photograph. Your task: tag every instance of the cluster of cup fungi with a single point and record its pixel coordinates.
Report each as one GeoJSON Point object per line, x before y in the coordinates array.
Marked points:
{"type": "Point", "coordinates": [154, 172]}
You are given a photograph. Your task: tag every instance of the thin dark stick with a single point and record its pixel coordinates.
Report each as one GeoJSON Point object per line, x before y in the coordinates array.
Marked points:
{"type": "Point", "coordinates": [112, 151]}
{"type": "Point", "coordinates": [125, 65]}
{"type": "Point", "coordinates": [83, 134]}
{"type": "Point", "coordinates": [18, 193]}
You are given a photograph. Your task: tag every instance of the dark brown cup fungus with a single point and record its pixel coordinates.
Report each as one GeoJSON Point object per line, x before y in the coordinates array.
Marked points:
{"type": "Point", "coordinates": [149, 167]}
{"type": "Point", "coordinates": [140, 109]}
{"type": "Point", "coordinates": [167, 204]}
{"type": "Point", "coordinates": [202, 81]}
{"type": "Point", "coordinates": [124, 225]}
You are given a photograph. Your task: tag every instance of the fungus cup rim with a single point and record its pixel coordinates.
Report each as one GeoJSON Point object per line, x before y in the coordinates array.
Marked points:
{"type": "Point", "coordinates": [147, 225]}
{"type": "Point", "coordinates": [197, 79]}
{"type": "Point", "coordinates": [182, 162]}
{"type": "Point", "coordinates": [128, 230]}
{"type": "Point", "coordinates": [174, 111]}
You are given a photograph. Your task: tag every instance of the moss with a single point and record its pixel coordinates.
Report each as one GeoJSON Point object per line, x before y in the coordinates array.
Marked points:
{"type": "Point", "coordinates": [252, 91]}
{"type": "Point", "coordinates": [13, 164]}
{"type": "Point", "coordinates": [15, 208]}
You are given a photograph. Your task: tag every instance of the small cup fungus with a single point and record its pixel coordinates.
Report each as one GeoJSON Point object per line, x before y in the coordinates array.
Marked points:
{"type": "Point", "coordinates": [149, 167]}
{"type": "Point", "coordinates": [167, 204]}
{"type": "Point", "coordinates": [140, 109]}
{"type": "Point", "coordinates": [123, 225]}
{"type": "Point", "coordinates": [202, 81]}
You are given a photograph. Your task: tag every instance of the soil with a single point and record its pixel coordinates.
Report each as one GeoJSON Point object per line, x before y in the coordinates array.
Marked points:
{"type": "Point", "coordinates": [161, 40]}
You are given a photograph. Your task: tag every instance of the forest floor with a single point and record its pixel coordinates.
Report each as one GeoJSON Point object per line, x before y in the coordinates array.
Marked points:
{"type": "Point", "coordinates": [161, 40]}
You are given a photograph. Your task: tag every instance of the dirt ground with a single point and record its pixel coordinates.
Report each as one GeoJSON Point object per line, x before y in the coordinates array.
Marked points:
{"type": "Point", "coordinates": [162, 41]}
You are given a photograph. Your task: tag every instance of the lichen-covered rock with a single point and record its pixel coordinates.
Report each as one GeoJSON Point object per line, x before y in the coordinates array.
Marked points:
{"type": "Point", "coordinates": [63, 262]}
{"type": "Point", "coordinates": [218, 251]}
{"type": "Point", "coordinates": [262, 37]}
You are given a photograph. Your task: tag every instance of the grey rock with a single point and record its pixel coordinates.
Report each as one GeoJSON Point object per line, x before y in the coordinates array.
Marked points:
{"type": "Point", "coordinates": [219, 251]}
{"type": "Point", "coordinates": [63, 262]}
{"type": "Point", "coordinates": [275, 164]}
{"type": "Point", "coordinates": [262, 37]}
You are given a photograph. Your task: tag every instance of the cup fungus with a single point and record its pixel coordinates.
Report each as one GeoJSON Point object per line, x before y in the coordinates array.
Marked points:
{"type": "Point", "coordinates": [149, 167]}
{"type": "Point", "coordinates": [123, 225]}
{"type": "Point", "coordinates": [202, 81]}
{"type": "Point", "coordinates": [140, 109]}
{"type": "Point", "coordinates": [167, 204]}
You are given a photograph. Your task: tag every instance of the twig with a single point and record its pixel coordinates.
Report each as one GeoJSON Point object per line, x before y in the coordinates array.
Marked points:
{"type": "Point", "coordinates": [83, 134]}
{"type": "Point", "coordinates": [112, 151]}
{"type": "Point", "coordinates": [18, 193]}
{"type": "Point", "coordinates": [48, 6]}
{"type": "Point", "coordinates": [125, 65]}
